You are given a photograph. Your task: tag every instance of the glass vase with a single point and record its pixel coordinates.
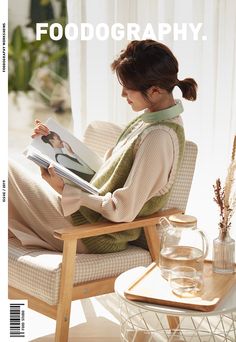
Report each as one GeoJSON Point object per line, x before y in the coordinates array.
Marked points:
{"type": "Point", "coordinates": [224, 253]}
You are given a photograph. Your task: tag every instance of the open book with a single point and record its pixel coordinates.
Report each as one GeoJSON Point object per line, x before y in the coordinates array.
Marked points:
{"type": "Point", "coordinates": [72, 159]}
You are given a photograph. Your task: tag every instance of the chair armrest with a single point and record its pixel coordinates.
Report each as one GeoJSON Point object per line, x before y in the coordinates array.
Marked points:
{"type": "Point", "coordinates": [108, 227]}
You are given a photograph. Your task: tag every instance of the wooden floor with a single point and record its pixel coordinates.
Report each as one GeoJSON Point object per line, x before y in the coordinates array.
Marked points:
{"type": "Point", "coordinates": [92, 320]}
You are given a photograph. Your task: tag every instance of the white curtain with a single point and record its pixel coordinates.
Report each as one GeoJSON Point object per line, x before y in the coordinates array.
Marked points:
{"type": "Point", "coordinates": [210, 121]}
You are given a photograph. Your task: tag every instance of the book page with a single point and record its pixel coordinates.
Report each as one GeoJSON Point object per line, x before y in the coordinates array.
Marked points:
{"type": "Point", "coordinates": [61, 146]}
{"type": "Point", "coordinates": [67, 174]}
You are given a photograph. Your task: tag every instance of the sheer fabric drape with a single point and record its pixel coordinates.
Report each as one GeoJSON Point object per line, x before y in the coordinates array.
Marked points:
{"type": "Point", "coordinates": [210, 121]}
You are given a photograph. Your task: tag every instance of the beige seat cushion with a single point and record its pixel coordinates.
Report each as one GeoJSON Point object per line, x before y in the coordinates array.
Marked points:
{"type": "Point", "coordinates": [37, 271]}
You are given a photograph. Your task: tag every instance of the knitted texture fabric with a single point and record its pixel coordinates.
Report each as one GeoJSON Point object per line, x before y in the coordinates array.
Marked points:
{"type": "Point", "coordinates": [113, 177]}
{"type": "Point", "coordinates": [157, 203]}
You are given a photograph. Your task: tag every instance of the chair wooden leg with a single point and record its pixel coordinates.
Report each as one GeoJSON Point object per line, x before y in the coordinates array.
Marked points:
{"type": "Point", "coordinates": [153, 241]}
{"type": "Point", "coordinates": [65, 297]}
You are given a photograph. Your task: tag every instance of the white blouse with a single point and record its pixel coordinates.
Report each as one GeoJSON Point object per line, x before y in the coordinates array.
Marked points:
{"type": "Point", "coordinates": [152, 174]}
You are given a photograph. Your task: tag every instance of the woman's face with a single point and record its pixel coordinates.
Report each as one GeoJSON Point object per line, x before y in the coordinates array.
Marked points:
{"type": "Point", "coordinates": [135, 99]}
{"type": "Point", "coordinates": [56, 141]}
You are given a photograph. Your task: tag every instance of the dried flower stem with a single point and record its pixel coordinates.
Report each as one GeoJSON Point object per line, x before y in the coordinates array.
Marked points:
{"type": "Point", "coordinates": [224, 197]}
{"type": "Point", "coordinates": [234, 150]}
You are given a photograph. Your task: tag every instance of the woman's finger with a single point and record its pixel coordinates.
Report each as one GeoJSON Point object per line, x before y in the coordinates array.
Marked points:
{"type": "Point", "coordinates": [51, 170]}
{"type": "Point", "coordinates": [38, 123]}
{"type": "Point", "coordinates": [44, 172]}
{"type": "Point", "coordinates": [39, 129]}
{"type": "Point", "coordinates": [50, 176]}
{"type": "Point", "coordinates": [42, 129]}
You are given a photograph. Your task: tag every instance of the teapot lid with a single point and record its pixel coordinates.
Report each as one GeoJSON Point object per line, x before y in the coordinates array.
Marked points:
{"type": "Point", "coordinates": [181, 220]}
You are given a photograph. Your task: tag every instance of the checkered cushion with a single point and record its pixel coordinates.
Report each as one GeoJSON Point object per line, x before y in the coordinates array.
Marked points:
{"type": "Point", "coordinates": [37, 271]}
{"type": "Point", "coordinates": [101, 135]}
{"type": "Point", "coordinates": [181, 188]}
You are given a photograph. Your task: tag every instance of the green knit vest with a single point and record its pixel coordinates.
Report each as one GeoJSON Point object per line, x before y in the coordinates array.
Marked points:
{"type": "Point", "coordinates": [112, 177]}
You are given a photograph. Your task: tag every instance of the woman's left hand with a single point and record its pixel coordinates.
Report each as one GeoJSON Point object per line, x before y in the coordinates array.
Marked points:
{"type": "Point", "coordinates": [50, 176]}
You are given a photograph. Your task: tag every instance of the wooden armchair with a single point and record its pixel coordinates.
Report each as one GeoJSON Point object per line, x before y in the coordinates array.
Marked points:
{"type": "Point", "coordinates": [50, 281]}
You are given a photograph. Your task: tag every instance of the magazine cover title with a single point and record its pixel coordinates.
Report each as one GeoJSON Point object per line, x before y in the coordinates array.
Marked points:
{"type": "Point", "coordinates": [118, 31]}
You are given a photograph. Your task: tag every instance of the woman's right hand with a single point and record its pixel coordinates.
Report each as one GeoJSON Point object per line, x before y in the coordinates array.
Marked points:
{"type": "Point", "coordinates": [39, 129]}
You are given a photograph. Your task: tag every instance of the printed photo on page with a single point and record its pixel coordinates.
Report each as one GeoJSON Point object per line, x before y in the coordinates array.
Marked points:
{"type": "Point", "coordinates": [61, 146]}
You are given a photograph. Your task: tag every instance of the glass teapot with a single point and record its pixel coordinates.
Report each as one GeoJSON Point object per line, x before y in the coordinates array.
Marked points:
{"type": "Point", "coordinates": [182, 244]}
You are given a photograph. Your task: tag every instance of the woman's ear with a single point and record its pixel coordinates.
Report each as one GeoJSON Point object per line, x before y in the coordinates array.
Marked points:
{"type": "Point", "coordinates": [154, 91]}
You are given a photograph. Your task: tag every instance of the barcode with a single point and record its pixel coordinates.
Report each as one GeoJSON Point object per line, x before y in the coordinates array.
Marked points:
{"type": "Point", "coordinates": [18, 320]}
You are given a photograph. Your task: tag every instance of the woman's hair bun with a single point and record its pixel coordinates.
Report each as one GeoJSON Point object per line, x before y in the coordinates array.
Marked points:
{"type": "Point", "coordinates": [188, 86]}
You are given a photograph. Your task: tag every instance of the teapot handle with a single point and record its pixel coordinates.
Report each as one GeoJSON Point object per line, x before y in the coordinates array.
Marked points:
{"type": "Point", "coordinates": [165, 223]}
{"type": "Point", "coordinates": [205, 243]}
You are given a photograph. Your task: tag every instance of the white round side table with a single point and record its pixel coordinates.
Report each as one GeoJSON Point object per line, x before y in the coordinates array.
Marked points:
{"type": "Point", "coordinates": [144, 322]}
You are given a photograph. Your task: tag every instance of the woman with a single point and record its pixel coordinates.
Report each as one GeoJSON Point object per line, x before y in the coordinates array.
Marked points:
{"type": "Point", "coordinates": [137, 174]}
